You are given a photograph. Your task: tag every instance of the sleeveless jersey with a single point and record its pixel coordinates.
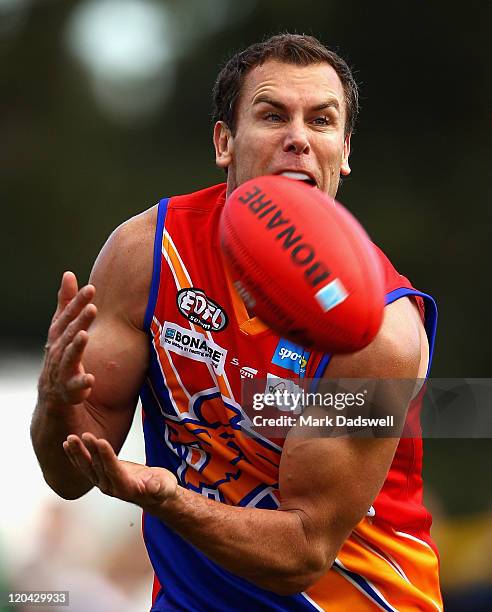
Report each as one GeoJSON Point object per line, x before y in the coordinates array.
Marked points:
{"type": "Point", "coordinates": [202, 344]}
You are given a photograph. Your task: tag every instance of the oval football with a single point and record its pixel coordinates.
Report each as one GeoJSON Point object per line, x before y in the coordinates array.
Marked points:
{"type": "Point", "coordinates": [303, 264]}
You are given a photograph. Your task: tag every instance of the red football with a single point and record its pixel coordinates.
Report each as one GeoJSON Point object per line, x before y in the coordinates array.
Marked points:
{"type": "Point", "coordinates": [303, 264]}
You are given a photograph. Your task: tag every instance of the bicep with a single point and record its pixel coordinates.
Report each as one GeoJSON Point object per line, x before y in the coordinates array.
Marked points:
{"type": "Point", "coordinates": [118, 349]}
{"type": "Point", "coordinates": [117, 356]}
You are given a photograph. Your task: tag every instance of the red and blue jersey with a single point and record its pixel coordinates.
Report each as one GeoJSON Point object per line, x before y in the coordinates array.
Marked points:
{"type": "Point", "coordinates": [203, 343]}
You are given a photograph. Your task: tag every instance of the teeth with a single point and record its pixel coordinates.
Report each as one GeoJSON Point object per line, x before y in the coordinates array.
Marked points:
{"type": "Point", "coordinates": [298, 176]}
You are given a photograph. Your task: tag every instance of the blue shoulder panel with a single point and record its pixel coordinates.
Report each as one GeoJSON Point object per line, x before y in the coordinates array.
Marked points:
{"type": "Point", "coordinates": [156, 270]}
{"type": "Point", "coordinates": [430, 322]}
{"type": "Point", "coordinates": [430, 325]}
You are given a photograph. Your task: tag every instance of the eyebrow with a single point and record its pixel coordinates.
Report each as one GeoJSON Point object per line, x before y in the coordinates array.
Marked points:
{"type": "Point", "coordinates": [330, 103]}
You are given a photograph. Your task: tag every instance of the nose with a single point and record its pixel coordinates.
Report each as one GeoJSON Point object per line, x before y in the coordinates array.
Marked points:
{"type": "Point", "coordinates": [296, 140]}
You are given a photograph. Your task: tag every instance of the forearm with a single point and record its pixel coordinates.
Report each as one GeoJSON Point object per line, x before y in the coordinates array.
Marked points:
{"type": "Point", "coordinates": [271, 548]}
{"type": "Point", "coordinates": [50, 426]}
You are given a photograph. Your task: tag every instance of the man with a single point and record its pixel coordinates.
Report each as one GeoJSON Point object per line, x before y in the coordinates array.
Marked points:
{"type": "Point", "coordinates": [234, 522]}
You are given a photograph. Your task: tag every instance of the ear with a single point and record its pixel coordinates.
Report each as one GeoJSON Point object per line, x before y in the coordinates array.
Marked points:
{"type": "Point", "coordinates": [345, 168]}
{"type": "Point", "coordinates": [223, 143]}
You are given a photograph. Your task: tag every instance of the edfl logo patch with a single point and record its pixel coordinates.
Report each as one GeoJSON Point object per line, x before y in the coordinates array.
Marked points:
{"type": "Point", "coordinates": [202, 310]}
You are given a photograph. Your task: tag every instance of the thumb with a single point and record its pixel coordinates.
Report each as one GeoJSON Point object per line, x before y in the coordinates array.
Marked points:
{"type": "Point", "coordinates": [68, 289]}
{"type": "Point", "coordinates": [162, 485]}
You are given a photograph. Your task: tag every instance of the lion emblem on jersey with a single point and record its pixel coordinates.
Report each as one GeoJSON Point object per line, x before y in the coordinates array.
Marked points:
{"type": "Point", "coordinates": [219, 458]}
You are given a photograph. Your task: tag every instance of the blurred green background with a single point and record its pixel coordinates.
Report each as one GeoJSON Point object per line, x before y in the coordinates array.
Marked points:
{"type": "Point", "coordinates": [77, 159]}
{"type": "Point", "coordinates": [105, 108]}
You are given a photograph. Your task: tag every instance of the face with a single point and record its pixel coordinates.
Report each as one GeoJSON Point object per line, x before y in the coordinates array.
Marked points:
{"type": "Point", "coordinates": [289, 119]}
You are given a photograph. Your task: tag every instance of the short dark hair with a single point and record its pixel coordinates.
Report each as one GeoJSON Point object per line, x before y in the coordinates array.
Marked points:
{"type": "Point", "coordinates": [298, 49]}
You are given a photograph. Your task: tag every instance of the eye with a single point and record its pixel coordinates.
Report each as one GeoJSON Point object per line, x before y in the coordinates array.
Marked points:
{"type": "Point", "coordinates": [273, 117]}
{"type": "Point", "coordinates": [323, 120]}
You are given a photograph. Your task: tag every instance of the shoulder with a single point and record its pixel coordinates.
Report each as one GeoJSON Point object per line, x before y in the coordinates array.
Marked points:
{"type": "Point", "coordinates": [392, 277]}
{"type": "Point", "coordinates": [203, 199]}
{"type": "Point", "coordinates": [122, 272]}
{"type": "Point", "coordinates": [400, 349]}
{"type": "Point", "coordinates": [128, 236]}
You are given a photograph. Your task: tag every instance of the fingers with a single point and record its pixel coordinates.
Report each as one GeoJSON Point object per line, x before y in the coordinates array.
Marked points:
{"type": "Point", "coordinates": [80, 457]}
{"type": "Point", "coordinates": [101, 462]}
{"type": "Point", "coordinates": [70, 311]}
{"type": "Point", "coordinates": [68, 289]}
{"type": "Point", "coordinates": [148, 487]}
{"type": "Point", "coordinates": [84, 454]}
{"type": "Point", "coordinates": [78, 388]}
{"type": "Point", "coordinates": [80, 382]}
{"type": "Point", "coordinates": [72, 356]}
{"type": "Point", "coordinates": [63, 378]}
{"type": "Point", "coordinates": [97, 459]}
{"type": "Point", "coordinates": [82, 323]}
{"type": "Point", "coordinates": [63, 375]}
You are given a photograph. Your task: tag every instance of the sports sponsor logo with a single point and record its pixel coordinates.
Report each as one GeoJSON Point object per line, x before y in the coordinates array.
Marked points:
{"type": "Point", "coordinates": [198, 308]}
{"type": "Point", "coordinates": [244, 371]}
{"type": "Point", "coordinates": [247, 372]}
{"type": "Point", "coordinates": [271, 215]}
{"type": "Point", "coordinates": [291, 357]}
{"type": "Point", "coordinates": [194, 345]}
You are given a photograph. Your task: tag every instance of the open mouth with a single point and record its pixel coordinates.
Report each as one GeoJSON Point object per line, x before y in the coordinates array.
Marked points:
{"type": "Point", "coordinates": [300, 176]}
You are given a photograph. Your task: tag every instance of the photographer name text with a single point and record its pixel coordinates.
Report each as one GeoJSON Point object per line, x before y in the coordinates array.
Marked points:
{"type": "Point", "coordinates": [327, 421]}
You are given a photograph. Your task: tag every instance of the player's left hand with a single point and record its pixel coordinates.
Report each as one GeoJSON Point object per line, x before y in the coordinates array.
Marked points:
{"type": "Point", "coordinates": [148, 487]}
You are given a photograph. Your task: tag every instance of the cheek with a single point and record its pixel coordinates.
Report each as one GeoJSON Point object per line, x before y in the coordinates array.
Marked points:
{"type": "Point", "coordinates": [250, 152]}
{"type": "Point", "coordinates": [334, 154]}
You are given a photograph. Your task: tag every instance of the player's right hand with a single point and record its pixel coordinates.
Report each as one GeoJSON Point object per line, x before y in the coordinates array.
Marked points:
{"type": "Point", "coordinates": [63, 380]}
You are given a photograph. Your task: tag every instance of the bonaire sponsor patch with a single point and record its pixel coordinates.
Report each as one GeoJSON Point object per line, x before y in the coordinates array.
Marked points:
{"type": "Point", "coordinates": [194, 345]}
